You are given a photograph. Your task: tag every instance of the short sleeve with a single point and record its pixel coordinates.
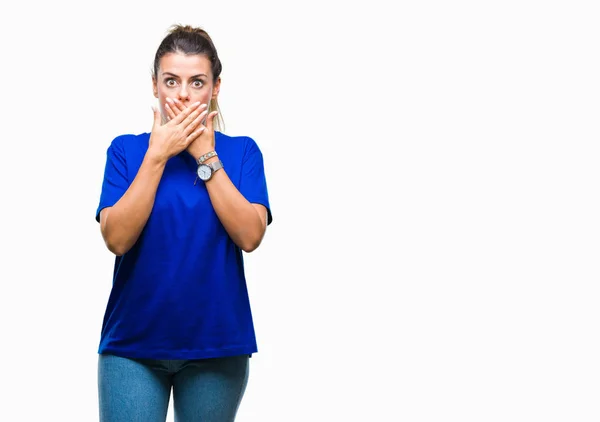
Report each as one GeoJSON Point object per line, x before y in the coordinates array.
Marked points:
{"type": "Point", "coordinates": [253, 184]}
{"type": "Point", "coordinates": [115, 182]}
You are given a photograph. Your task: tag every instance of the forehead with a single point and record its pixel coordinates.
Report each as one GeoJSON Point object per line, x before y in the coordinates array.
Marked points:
{"type": "Point", "coordinates": [185, 65]}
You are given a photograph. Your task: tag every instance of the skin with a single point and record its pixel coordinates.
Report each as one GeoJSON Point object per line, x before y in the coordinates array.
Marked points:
{"type": "Point", "coordinates": [183, 85]}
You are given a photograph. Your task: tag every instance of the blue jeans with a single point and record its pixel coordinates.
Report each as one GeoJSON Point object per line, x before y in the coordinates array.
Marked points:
{"type": "Point", "coordinates": [138, 390]}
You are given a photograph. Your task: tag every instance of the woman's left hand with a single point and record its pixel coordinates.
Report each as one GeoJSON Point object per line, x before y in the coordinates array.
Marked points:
{"type": "Point", "coordinates": [205, 142]}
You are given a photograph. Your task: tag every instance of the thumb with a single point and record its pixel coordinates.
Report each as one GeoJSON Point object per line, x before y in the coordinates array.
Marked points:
{"type": "Point", "coordinates": [157, 118]}
{"type": "Point", "coordinates": [209, 121]}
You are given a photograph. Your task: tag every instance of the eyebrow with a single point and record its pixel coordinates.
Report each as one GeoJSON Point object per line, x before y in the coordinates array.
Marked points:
{"type": "Point", "coordinates": [193, 77]}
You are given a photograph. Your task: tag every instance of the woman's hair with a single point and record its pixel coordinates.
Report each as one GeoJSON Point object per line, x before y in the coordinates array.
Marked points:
{"type": "Point", "coordinates": [189, 40]}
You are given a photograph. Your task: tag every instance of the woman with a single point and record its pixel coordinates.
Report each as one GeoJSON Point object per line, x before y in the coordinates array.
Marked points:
{"type": "Point", "coordinates": [178, 206]}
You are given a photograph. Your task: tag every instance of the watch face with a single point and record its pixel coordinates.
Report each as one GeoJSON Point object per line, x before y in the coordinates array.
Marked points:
{"type": "Point", "coordinates": [204, 172]}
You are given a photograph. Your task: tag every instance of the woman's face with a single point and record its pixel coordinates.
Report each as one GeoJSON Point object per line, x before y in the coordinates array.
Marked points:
{"type": "Point", "coordinates": [187, 78]}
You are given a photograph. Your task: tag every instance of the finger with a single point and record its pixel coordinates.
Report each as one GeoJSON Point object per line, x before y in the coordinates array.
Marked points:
{"type": "Point", "coordinates": [186, 114]}
{"type": "Point", "coordinates": [210, 119]}
{"type": "Point", "coordinates": [197, 122]}
{"type": "Point", "coordinates": [179, 106]}
{"type": "Point", "coordinates": [192, 136]}
{"type": "Point", "coordinates": [191, 119]}
{"type": "Point", "coordinates": [157, 118]}
{"type": "Point", "coordinates": [170, 113]}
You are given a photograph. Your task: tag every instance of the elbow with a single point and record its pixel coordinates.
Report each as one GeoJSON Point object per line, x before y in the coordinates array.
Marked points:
{"type": "Point", "coordinates": [249, 235]}
{"type": "Point", "coordinates": [112, 242]}
{"type": "Point", "coordinates": [252, 242]}
{"type": "Point", "coordinates": [249, 246]}
{"type": "Point", "coordinates": [117, 248]}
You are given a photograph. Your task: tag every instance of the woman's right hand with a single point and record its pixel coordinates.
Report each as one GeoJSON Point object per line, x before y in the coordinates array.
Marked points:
{"type": "Point", "coordinates": [169, 139]}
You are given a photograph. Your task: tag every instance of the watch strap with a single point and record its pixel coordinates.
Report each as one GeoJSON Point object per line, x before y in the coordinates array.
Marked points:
{"type": "Point", "coordinates": [206, 156]}
{"type": "Point", "coordinates": [217, 165]}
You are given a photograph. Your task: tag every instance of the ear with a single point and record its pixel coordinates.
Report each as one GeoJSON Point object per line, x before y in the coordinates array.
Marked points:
{"type": "Point", "coordinates": [216, 89]}
{"type": "Point", "coordinates": [154, 87]}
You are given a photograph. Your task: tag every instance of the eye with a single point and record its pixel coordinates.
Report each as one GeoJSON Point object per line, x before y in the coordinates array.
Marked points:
{"type": "Point", "coordinates": [197, 83]}
{"type": "Point", "coordinates": [170, 82]}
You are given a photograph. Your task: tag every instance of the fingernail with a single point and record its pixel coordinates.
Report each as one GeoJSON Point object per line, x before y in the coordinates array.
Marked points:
{"type": "Point", "coordinates": [169, 100]}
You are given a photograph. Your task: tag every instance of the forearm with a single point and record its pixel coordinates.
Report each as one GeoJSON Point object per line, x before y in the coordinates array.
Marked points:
{"type": "Point", "coordinates": [122, 224]}
{"type": "Point", "coordinates": [238, 216]}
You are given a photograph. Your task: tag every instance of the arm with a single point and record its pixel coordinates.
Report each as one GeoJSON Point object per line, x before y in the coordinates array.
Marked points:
{"type": "Point", "coordinates": [122, 223]}
{"type": "Point", "coordinates": [245, 222]}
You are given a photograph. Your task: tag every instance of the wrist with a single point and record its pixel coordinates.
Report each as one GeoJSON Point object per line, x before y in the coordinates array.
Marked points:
{"type": "Point", "coordinates": [211, 160]}
{"type": "Point", "coordinates": [207, 157]}
{"type": "Point", "coordinates": [207, 169]}
{"type": "Point", "coordinates": [196, 150]}
{"type": "Point", "coordinates": [155, 158]}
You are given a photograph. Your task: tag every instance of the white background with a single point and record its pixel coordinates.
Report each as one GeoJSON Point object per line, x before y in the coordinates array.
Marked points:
{"type": "Point", "coordinates": [433, 174]}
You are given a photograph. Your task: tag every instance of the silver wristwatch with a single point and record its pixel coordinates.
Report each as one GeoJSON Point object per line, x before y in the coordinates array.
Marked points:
{"type": "Point", "coordinates": [205, 171]}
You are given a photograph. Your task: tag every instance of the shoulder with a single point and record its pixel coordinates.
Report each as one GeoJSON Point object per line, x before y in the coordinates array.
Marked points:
{"type": "Point", "coordinates": [233, 140]}
{"type": "Point", "coordinates": [130, 140]}
{"type": "Point", "coordinates": [243, 144]}
{"type": "Point", "coordinates": [129, 144]}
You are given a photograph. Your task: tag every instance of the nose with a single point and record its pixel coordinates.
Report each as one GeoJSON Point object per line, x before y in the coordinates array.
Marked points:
{"type": "Point", "coordinates": [183, 94]}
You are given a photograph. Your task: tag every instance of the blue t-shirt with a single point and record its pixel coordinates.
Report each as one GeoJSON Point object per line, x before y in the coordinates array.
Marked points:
{"type": "Point", "coordinates": [180, 292]}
